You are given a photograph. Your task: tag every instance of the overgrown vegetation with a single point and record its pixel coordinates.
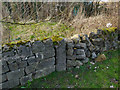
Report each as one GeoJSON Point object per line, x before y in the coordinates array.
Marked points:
{"type": "Point", "coordinates": [101, 75]}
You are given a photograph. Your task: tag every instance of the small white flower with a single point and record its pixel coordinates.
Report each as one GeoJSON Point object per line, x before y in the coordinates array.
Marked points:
{"type": "Point", "coordinates": [95, 67]}
{"type": "Point", "coordinates": [108, 25]}
{"type": "Point", "coordinates": [111, 86]}
{"type": "Point", "coordinates": [92, 62]}
{"type": "Point", "coordinates": [107, 67]}
{"type": "Point", "coordinates": [94, 70]}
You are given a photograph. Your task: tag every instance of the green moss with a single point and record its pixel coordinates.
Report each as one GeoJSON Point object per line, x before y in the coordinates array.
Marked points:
{"type": "Point", "coordinates": [56, 39]}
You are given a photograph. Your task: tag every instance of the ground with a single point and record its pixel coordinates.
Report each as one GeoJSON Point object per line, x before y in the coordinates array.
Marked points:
{"type": "Point", "coordinates": [101, 75]}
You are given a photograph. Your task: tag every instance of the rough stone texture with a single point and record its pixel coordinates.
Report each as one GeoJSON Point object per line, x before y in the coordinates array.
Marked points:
{"type": "Point", "coordinates": [73, 57]}
{"type": "Point", "coordinates": [8, 54]}
{"type": "Point", "coordinates": [30, 69]}
{"type": "Point", "coordinates": [21, 64]}
{"type": "Point", "coordinates": [70, 52]}
{"type": "Point", "coordinates": [5, 69]}
{"type": "Point", "coordinates": [80, 51]}
{"type": "Point", "coordinates": [85, 60]}
{"type": "Point", "coordinates": [39, 58]}
{"type": "Point", "coordinates": [61, 56]}
{"type": "Point", "coordinates": [44, 72]}
{"type": "Point", "coordinates": [15, 74]}
{"type": "Point", "coordinates": [38, 46]}
{"type": "Point", "coordinates": [11, 83]}
{"type": "Point", "coordinates": [32, 61]}
{"type": "Point", "coordinates": [13, 66]}
{"type": "Point", "coordinates": [24, 51]}
{"type": "Point", "coordinates": [46, 63]}
{"type": "Point", "coordinates": [80, 56]}
{"type": "Point", "coordinates": [25, 79]}
{"type": "Point", "coordinates": [3, 78]}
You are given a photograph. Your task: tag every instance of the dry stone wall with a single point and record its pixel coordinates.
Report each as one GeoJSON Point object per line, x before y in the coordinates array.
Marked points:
{"type": "Point", "coordinates": [32, 60]}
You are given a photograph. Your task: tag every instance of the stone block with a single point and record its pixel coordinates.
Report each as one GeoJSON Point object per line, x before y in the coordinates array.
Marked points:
{"type": "Point", "coordinates": [15, 74]}
{"type": "Point", "coordinates": [48, 53]}
{"type": "Point", "coordinates": [13, 66]}
{"type": "Point", "coordinates": [24, 51]}
{"type": "Point", "coordinates": [8, 53]}
{"type": "Point", "coordinates": [5, 69]}
{"type": "Point", "coordinates": [78, 63]}
{"type": "Point", "coordinates": [3, 78]}
{"type": "Point", "coordinates": [94, 55]}
{"type": "Point", "coordinates": [80, 51]}
{"type": "Point", "coordinates": [25, 79]}
{"type": "Point", "coordinates": [46, 63]}
{"type": "Point", "coordinates": [70, 45]}
{"type": "Point", "coordinates": [61, 53]}
{"type": "Point", "coordinates": [10, 84]}
{"type": "Point", "coordinates": [80, 57]}
{"type": "Point", "coordinates": [71, 63]}
{"type": "Point", "coordinates": [21, 64]}
{"type": "Point", "coordinates": [38, 46]}
{"type": "Point", "coordinates": [85, 60]}
{"type": "Point", "coordinates": [70, 52]}
{"type": "Point", "coordinates": [61, 67]}
{"type": "Point", "coordinates": [30, 69]}
{"type": "Point", "coordinates": [81, 46]}
{"type": "Point", "coordinates": [44, 72]}
{"type": "Point", "coordinates": [73, 57]}
{"type": "Point", "coordinates": [31, 61]}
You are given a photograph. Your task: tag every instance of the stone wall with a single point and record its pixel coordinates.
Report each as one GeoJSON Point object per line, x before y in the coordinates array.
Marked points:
{"type": "Point", "coordinates": [27, 61]}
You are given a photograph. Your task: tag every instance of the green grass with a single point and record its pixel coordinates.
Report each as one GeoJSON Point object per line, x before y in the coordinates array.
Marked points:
{"type": "Point", "coordinates": [40, 31]}
{"type": "Point", "coordinates": [88, 78]}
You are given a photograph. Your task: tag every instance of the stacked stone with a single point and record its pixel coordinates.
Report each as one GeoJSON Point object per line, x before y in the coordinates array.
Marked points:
{"type": "Point", "coordinates": [76, 55]}
{"type": "Point", "coordinates": [26, 62]}
{"type": "Point", "coordinates": [60, 55]}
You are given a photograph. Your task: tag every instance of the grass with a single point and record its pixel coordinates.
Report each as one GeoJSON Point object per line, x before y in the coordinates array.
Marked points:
{"type": "Point", "coordinates": [40, 31]}
{"type": "Point", "coordinates": [103, 77]}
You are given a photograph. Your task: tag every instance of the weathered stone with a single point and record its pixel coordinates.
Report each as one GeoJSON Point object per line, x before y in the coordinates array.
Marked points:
{"type": "Point", "coordinates": [21, 64]}
{"type": "Point", "coordinates": [48, 43]}
{"type": "Point", "coordinates": [80, 46]}
{"type": "Point", "coordinates": [31, 61]}
{"type": "Point", "coordinates": [78, 63]}
{"type": "Point", "coordinates": [8, 53]}
{"type": "Point", "coordinates": [80, 51]}
{"type": "Point", "coordinates": [15, 74]}
{"type": "Point", "coordinates": [43, 72]}
{"type": "Point", "coordinates": [61, 67]}
{"type": "Point", "coordinates": [38, 46]}
{"type": "Point", "coordinates": [5, 69]}
{"type": "Point", "coordinates": [46, 63]}
{"type": "Point", "coordinates": [13, 66]}
{"type": "Point", "coordinates": [92, 35]}
{"type": "Point", "coordinates": [30, 69]}
{"type": "Point", "coordinates": [100, 58]}
{"type": "Point", "coordinates": [49, 52]}
{"type": "Point", "coordinates": [71, 63]}
{"type": "Point", "coordinates": [61, 55]}
{"type": "Point", "coordinates": [10, 60]}
{"type": "Point", "coordinates": [80, 56]}
{"type": "Point", "coordinates": [94, 55]}
{"type": "Point", "coordinates": [3, 62]}
{"type": "Point", "coordinates": [10, 83]}
{"type": "Point", "coordinates": [24, 51]}
{"type": "Point", "coordinates": [88, 53]}
{"type": "Point", "coordinates": [70, 45]}
{"type": "Point", "coordinates": [70, 52]}
{"type": "Point", "coordinates": [25, 79]}
{"type": "Point", "coordinates": [98, 42]}
{"type": "Point", "coordinates": [4, 77]}
{"type": "Point", "coordinates": [85, 60]}
{"type": "Point", "coordinates": [73, 57]}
